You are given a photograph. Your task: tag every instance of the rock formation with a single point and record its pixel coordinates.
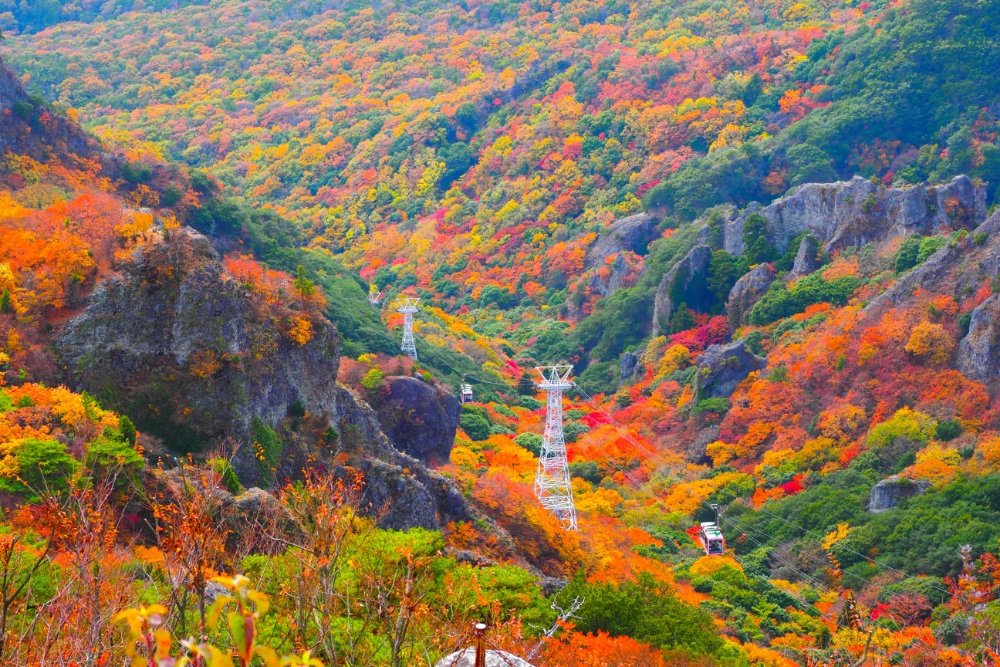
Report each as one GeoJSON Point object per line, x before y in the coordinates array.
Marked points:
{"type": "Point", "coordinates": [186, 350]}
{"type": "Point", "coordinates": [690, 272]}
{"type": "Point", "coordinates": [808, 258]}
{"type": "Point", "coordinates": [856, 212]}
{"type": "Point", "coordinates": [194, 356]}
{"type": "Point", "coordinates": [979, 351]}
{"type": "Point", "coordinates": [886, 494]}
{"type": "Point", "coordinates": [632, 234]}
{"type": "Point", "coordinates": [697, 450]}
{"type": "Point", "coordinates": [745, 293]}
{"type": "Point", "coordinates": [721, 368]}
{"type": "Point", "coordinates": [419, 419]}
{"type": "Point", "coordinates": [628, 365]}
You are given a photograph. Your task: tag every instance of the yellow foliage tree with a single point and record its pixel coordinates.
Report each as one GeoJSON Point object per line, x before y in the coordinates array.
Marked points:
{"type": "Point", "coordinates": [932, 341]}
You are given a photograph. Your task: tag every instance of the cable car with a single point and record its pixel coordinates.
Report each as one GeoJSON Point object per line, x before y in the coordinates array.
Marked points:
{"type": "Point", "coordinates": [466, 393]}
{"type": "Point", "coordinates": [712, 539]}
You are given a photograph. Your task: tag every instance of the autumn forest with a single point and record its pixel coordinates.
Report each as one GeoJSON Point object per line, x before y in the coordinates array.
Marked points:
{"type": "Point", "coordinates": [760, 240]}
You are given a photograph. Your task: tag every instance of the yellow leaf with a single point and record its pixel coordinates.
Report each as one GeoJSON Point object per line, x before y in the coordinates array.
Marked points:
{"type": "Point", "coordinates": [213, 612]}
{"type": "Point", "coordinates": [268, 655]}
{"type": "Point", "coordinates": [219, 659]}
{"type": "Point", "coordinates": [162, 643]}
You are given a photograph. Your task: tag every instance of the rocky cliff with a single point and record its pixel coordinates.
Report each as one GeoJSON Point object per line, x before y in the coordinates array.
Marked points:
{"type": "Point", "coordinates": [190, 352]}
{"type": "Point", "coordinates": [856, 212]}
{"type": "Point", "coordinates": [418, 418]}
{"type": "Point", "coordinates": [198, 358]}
{"type": "Point", "coordinates": [689, 274]}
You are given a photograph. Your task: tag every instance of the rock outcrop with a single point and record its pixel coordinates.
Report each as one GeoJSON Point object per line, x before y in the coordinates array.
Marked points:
{"type": "Point", "coordinates": [856, 212]}
{"type": "Point", "coordinates": [808, 258]}
{"type": "Point", "coordinates": [195, 357]}
{"type": "Point", "coordinates": [419, 419]}
{"type": "Point", "coordinates": [632, 234]}
{"type": "Point", "coordinates": [745, 293]}
{"type": "Point", "coordinates": [691, 270]}
{"type": "Point", "coordinates": [628, 365]}
{"type": "Point", "coordinates": [886, 494]}
{"type": "Point", "coordinates": [188, 352]}
{"type": "Point", "coordinates": [721, 368]}
{"type": "Point", "coordinates": [979, 351]}
{"type": "Point", "coordinates": [697, 450]}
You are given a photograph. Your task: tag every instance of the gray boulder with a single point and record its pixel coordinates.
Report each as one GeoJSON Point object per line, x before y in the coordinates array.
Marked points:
{"type": "Point", "coordinates": [405, 494]}
{"type": "Point", "coordinates": [632, 233]}
{"type": "Point", "coordinates": [690, 270]}
{"type": "Point", "coordinates": [697, 451]}
{"type": "Point", "coordinates": [886, 494]}
{"type": "Point", "coordinates": [419, 419]}
{"type": "Point", "coordinates": [628, 364]}
{"type": "Point", "coordinates": [979, 351]}
{"type": "Point", "coordinates": [856, 212]}
{"type": "Point", "coordinates": [745, 293]}
{"type": "Point", "coordinates": [721, 368]}
{"type": "Point", "coordinates": [808, 258]}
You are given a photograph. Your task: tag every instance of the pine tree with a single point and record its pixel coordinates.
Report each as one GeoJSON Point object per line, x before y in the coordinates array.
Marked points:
{"type": "Point", "coordinates": [526, 386]}
{"type": "Point", "coordinates": [5, 301]}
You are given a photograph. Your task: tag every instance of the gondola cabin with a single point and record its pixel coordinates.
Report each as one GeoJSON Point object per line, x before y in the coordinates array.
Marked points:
{"type": "Point", "coordinates": [466, 393]}
{"type": "Point", "coordinates": [712, 539]}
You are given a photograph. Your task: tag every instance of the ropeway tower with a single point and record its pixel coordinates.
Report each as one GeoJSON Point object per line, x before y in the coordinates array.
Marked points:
{"type": "Point", "coordinates": [374, 296]}
{"type": "Point", "coordinates": [552, 482]}
{"type": "Point", "coordinates": [407, 306]}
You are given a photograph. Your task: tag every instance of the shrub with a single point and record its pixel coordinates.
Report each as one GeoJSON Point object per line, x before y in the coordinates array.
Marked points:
{"type": "Point", "coordinates": [530, 441]}
{"type": "Point", "coordinates": [586, 470]}
{"type": "Point", "coordinates": [713, 405]}
{"type": "Point", "coordinates": [127, 429]}
{"type": "Point", "coordinates": [645, 610]}
{"type": "Point", "coordinates": [573, 430]}
{"type": "Point", "coordinates": [475, 425]}
{"type": "Point", "coordinates": [41, 464]}
{"type": "Point", "coordinates": [780, 302]}
{"type": "Point", "coordinates": [530, 402]}
{"type": "Point", "coordinates": [948, 430]}
{"type": "Point", "coordinates": [932, 341]}
{"type": "Point", "coordinates": [929, 246]}
{"type": "Point", "coordinates": [906, 256]}
{"type": "Point", "coordinates": [112, 452]}
{"type": "Point", "coordinates": [228, 476]}
{"type": "Point", "coordinates": [267, 448]}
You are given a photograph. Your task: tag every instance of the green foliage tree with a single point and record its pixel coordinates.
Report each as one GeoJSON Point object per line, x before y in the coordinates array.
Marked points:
{"type": "Point", "coordinates": [475, 425]}
{"type": "Point", "coordinates": [43, 464]}
{"type": "Point", "coordinates": [757, 249]}
{"type": "Point", "coordinates": [645, 610]}
{"type": "Point", "coordinates": [906, 255]}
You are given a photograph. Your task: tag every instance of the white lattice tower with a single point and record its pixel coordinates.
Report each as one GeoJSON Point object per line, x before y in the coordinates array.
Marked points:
{"type": "Point", "coordinates": [408, 306]}
{"type": "Point", "coordinates": [552, 482]}
{"type": "Point", "coordinates": [374, 296]}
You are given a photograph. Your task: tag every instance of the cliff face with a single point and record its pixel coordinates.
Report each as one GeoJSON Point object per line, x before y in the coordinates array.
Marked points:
{"type": "Point", "coordinates": [196, 358]}
{"type": "Point", "coordinates": [856, 212]}
{"type": "Point", "coordinates": [182, 346]}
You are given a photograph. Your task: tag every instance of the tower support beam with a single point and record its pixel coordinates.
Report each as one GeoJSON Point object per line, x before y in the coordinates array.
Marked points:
{"type": "Point", "coordinates": [552, 481]}
{"type": "Point", "coordinates": [408, 306]}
